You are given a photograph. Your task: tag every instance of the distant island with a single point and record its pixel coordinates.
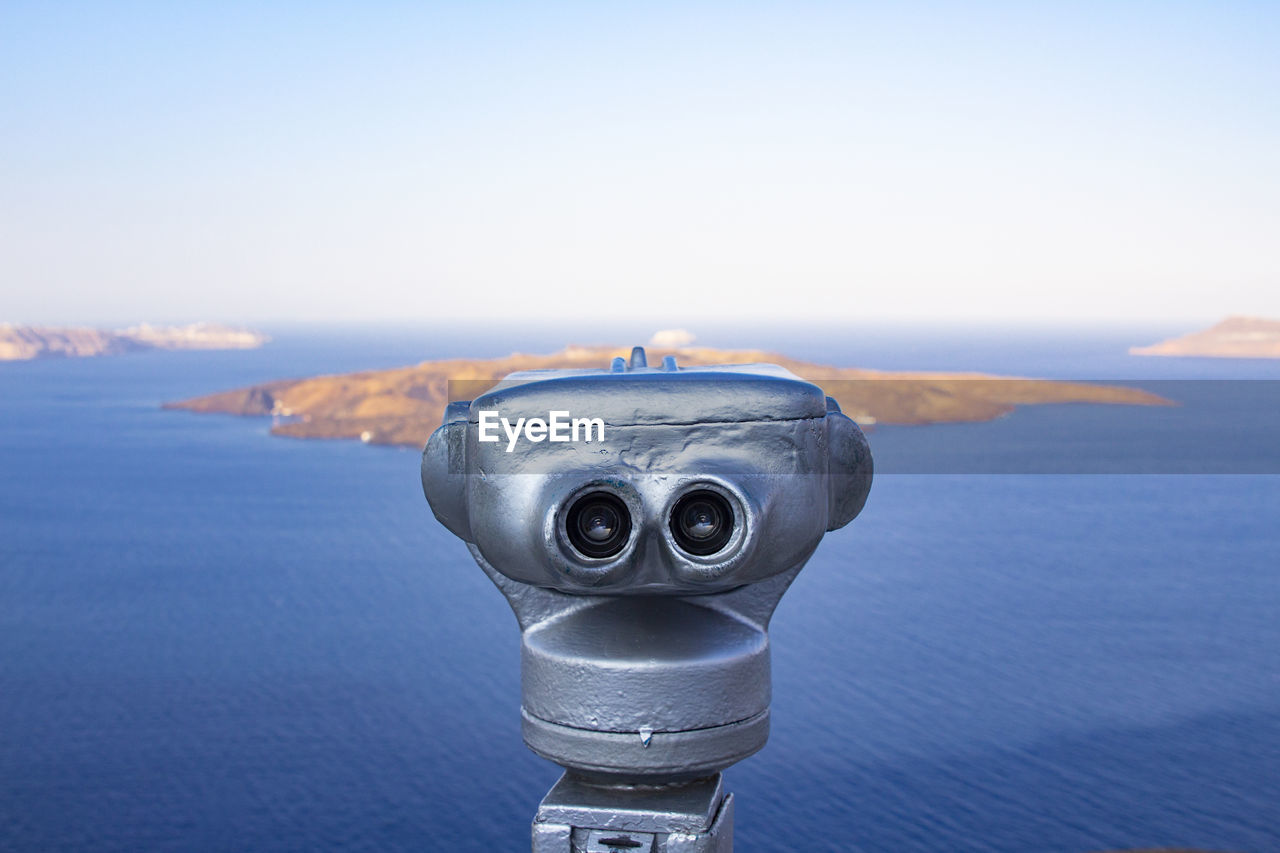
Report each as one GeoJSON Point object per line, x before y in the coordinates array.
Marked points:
{"type": "Point", "coordinates": [23, 343]}
{"type": "Point", "coordinates": [1234, 337]}
{"type": "Point", "coordinates": [402, 406]}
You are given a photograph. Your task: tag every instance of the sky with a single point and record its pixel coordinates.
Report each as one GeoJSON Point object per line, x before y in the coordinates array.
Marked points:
{"type": "Point", "coordinates": [799, 162]}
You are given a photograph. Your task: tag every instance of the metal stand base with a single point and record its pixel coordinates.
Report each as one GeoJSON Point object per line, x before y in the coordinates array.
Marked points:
{"type": "Point", "coordinates": [579, 817]}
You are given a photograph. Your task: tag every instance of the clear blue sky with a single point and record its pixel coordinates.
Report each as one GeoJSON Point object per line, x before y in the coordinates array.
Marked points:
{"type": "Point", "coordinates": [176, 161]}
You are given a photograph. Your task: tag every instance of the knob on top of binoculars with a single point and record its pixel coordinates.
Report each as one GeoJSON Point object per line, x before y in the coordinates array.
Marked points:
{"type": "Point", "coordinates": [634, 479]}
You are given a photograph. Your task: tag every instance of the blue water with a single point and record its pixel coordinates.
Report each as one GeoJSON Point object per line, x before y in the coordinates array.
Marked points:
{"type": "Point", "coordinates": [212, 639]}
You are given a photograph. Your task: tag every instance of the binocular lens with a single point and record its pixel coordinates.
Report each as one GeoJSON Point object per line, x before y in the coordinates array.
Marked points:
{"type": "Point", "coordinates": [702, 522]}
{"type": "Point", "coordinates": [598, 525]}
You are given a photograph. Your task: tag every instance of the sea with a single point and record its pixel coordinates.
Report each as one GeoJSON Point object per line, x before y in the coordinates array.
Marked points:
{"type": "Point", "coordinates": [1057, 631]}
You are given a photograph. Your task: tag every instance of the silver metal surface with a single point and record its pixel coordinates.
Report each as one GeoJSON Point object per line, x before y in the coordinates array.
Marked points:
{"type": "Point", "coordinates": [646, 755]}
{"type": "Point", "coordinates": [647, 668]}
{"type": "Point", "coordinates": [711, 669]}
{"type": "Point", "coordinates": [659, 808]}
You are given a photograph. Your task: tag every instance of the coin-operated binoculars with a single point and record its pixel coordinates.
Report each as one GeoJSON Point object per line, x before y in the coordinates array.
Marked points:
{"type": "Point", "coordinates": [643, 523]}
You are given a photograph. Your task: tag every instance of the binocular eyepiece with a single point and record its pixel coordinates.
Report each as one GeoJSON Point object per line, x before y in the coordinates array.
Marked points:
{"type": "Point", "coordinates": [598, 525]}
{"type": "Point", "coordinates": [702, 523]}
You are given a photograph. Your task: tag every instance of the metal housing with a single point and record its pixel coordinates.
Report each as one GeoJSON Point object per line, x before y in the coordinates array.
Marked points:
{"type": "Point", "coordinates": [651, 665]}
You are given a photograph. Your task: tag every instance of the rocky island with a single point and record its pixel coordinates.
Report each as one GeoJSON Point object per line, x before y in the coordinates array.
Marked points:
{"type": "Point", "coordinates": [23, 343]}
{"type": "Point", "coordinates": [1234, 337]}
{"type": "Point", "coordinates": [404, 405]}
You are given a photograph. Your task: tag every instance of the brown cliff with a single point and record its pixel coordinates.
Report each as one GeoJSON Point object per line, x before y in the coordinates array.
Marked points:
{"type": "Point", "coordinates": [404, 405]}
{"type": "Point", "coordinates": [23, 343]}
{"type": "Point", "coordinates": [1234, 337]}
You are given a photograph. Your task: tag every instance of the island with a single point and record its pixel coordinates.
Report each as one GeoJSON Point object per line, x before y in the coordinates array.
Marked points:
{"type": "Point", "coordinates": [1234, 337]}
{"type": "Point", "coordinates": [24, 343]}
{"type": "Point", "coordinates": [402, 406]}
